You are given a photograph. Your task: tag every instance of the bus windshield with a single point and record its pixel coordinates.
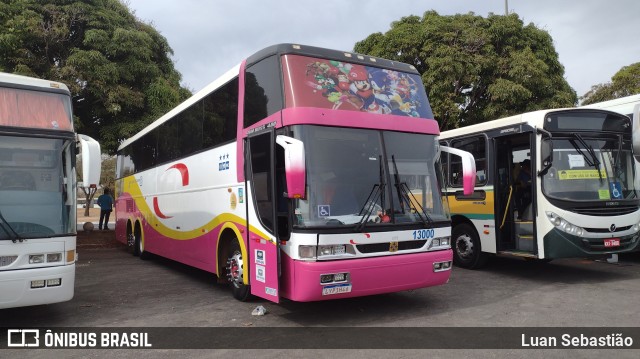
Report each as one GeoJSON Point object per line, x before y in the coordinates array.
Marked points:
{"type": "Point", "coordinates": [590, 169]}
{"type": "Point", "coordinates": [349, 183]}
{"type": "Point", "coordinates": [36, 188]}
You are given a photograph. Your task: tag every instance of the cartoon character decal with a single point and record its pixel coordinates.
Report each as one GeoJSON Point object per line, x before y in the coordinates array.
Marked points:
{"type": "Point", "coordinates": [338, 85]}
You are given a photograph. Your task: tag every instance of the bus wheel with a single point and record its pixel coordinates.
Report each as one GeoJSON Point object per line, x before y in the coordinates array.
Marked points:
{"type": "Point", "coordinates": [235, 271]}
{"type": "Point", "coordinates": [131, 242]}
{"type": "Point", "coordinates": [139, 246]}
{"type": "Point", "coordinates": [466, 247]}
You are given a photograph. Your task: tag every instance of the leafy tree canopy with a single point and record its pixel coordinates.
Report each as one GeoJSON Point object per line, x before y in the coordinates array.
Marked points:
{"type": "Point", "coordinates": [476, 69]}
{"type": "Point", "coordinates": [118, 68]}
{"type": "Point", "coordinates": [625, 82]}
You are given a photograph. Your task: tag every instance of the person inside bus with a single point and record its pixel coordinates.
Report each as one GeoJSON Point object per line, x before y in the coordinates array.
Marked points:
{"type": "Point", "coordinates": [523, 188]}
{"type": "Point", "coordinates": [106, 205]}
{"type": "Point", "coordinates": [340, 198]}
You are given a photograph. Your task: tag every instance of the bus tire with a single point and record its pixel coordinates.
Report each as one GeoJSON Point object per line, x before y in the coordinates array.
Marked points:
{"type": "Point", "coordinates": [131, 241]}
{"type": "Point", "coordinates": [467, 252]}
{"type": "Point", "coordinates": [235, 270]}
{"type": "Point", "coordinates": [139, 246]}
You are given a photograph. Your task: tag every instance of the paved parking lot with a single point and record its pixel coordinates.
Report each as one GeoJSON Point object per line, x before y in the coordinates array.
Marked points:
{"type": "Point", "coordinates": [114, 288]}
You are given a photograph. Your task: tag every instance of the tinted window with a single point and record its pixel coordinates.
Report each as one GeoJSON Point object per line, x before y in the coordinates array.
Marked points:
{"type": "Point", "coordinates": [477, 147]}
{"type": "Point", "coordinates": [263, 91]}
{"type": "Point", "coordinates": [221, 115]}
{"type": "Point", "coordinates": [205, 124]}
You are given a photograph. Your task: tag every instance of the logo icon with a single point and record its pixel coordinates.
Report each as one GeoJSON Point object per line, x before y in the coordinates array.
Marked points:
{"type": "Point", "coordinates": [393, 246]}
{"type": "Point", "coordinates": [23, 338]}
{"type": "Point", "coordinates": [612, 228]}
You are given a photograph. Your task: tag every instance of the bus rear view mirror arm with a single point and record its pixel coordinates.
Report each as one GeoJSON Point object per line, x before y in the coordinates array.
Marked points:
{"type": "Point", "coordinates": [294, 165]}
{"type": "Point", "coordinates": [468, 168]}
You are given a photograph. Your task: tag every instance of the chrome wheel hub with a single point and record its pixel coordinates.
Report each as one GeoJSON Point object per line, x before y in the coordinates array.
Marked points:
{"type": "Point", "coordinates": [464, 246]}
{"type": "Point", "coordinates": [235, 269]}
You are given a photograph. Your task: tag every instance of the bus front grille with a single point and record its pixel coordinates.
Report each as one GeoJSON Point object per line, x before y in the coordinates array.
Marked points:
{"type": "Point", "coordinates": [605, 211]}
{"type": "Point", "coordinates": [384, 247]}
{"type": "Point", "coordinates": [607, 230]}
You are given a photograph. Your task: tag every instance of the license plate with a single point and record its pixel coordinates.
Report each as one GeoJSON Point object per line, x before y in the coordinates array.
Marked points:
{"type": "Point", "coordinates": [613, 242]}
{"type": "Point", "coordinates": [336, 289]}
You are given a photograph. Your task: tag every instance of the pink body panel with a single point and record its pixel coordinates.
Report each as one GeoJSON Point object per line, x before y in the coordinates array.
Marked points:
{"type": "Point", "coordinates": [199, 252]}
{"type": "Point", "coordinates": [301, 280]}
{"type": "Point", "coordinates": [319, 116]}
{"type": "Point", "coordinates": [263, 257]}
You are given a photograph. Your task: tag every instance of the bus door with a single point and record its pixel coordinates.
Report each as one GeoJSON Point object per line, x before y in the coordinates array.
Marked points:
{"type": "Point", "coordinates": [514, 193]}
{"type": "Point", "coordinates": [262, 236]}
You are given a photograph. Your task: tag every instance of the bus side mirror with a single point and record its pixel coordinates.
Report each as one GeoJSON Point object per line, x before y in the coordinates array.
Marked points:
{"type": "Point", "coordinates": [635, 125]}
{"type": "Point", "coordinates": [546, 152]}
{"type": "Point", "coordinates": [468, 168]}
{"type": "Point", "coordinates": [294, 165]}
{"type": "Point", "coordinates": [91, 161]}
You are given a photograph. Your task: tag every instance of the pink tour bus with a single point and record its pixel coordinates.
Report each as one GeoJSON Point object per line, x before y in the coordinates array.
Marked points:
{"type": "Point", "coordinates": [302, 173]}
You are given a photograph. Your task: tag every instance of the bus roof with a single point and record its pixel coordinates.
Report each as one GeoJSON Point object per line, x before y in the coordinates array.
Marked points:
{"type": "Point", "coordinates": [280, 49]}
{"type": "Point", "coordinates": [623, 105]}
{"type": "Point", "coordinates": [12, 80]}
{"type": "Point", "coordinates": [533, 118]}
{"type": "Point", "coordinates": [490, 125]}
{"type": "Point", "coordinates": [322, 53]}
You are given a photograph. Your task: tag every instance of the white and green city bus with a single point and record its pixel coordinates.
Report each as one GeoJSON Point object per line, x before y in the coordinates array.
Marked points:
{"type": "Point", "coordinates": [581, 200]}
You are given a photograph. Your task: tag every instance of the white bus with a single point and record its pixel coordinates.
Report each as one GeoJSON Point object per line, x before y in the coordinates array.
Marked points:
{"type": "Point", "coordinates": [581, 200]}
{"type": "Point", "coordinates": [38, 191]}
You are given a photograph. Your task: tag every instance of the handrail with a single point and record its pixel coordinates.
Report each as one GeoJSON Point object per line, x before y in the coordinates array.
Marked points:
{"type": "Point", "coordinates": [506, 210]}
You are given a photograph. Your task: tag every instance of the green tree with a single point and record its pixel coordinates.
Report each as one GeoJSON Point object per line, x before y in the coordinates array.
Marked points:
{"type": "Point", "coordinates": [625, 82]}
{"type": "Point", "coordinates": [476, 69]}
{"type": "Point", "coordinates": [117, 67]}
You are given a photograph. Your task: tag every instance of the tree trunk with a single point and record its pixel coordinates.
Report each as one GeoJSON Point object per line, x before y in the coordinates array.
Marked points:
{"type": "Point", "coordinates": [88, 195]}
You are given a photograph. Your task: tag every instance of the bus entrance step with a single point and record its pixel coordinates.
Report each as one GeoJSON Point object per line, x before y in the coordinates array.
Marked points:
{"type": "Point", "coordinates": [524, 228]}
{"type": "Point", "coordinates": [524, 242]}
{"type": "Point", "coordinates": [518, 254]}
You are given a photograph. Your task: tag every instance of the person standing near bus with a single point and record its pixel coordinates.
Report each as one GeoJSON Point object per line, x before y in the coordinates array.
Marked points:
{"type": "Point", "coordinates": [106, 206]}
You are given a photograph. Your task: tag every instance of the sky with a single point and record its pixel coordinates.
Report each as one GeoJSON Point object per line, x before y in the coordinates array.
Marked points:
{"type": "Point", "coordinates": [593, 38]}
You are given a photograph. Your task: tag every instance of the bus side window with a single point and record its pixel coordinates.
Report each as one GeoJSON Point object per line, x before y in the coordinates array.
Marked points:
{"type": "Point", "coordinates": [477, 147]}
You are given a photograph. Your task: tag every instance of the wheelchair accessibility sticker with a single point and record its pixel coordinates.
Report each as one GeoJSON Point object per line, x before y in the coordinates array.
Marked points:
{"type": "Point", "coordinates": [324, 210]}
{"type": "Point", "coordinates": [616, 190]}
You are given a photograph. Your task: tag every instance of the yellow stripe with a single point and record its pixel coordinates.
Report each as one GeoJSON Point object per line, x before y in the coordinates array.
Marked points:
{"type": "Point", "coordinates": [135, 192]}
{"type": "Point", "coordinates": [482, 208]}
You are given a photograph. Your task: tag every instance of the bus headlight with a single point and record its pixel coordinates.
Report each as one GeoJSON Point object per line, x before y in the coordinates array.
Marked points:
{"type": "Point", "coordinates": [334, 250]}
{"type": "Point", "coordinates": [307, 252]}
{"type": "Point", "coordinates": [439, 242]}
{"type": "Point", "coordinates": [564, 225]}
{"type": "Point", "coordinates": [36, 258]}
{"type": "Point", "coordinates": [54, 257]}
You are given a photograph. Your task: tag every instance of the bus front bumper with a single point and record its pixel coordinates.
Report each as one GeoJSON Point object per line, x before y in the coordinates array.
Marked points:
{"type": "Point", "coordinates": [558, 244]}
{"type": "Point", "coordinates": [366, 276]}
{"type": "Point", "coordinates": [16, 291]}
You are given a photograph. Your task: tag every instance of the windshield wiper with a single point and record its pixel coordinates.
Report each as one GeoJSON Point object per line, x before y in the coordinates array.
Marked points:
{"type": "Point", "coordinates": [594, 162]}
{"type": "Point", "coordinates": [4, 225]}
{"type": "Point", "coordinates": [377, 192]}
{"type": "Point", "coordinates": [618, 166]}
{"type": "Point", "coordinates": [406, 197]}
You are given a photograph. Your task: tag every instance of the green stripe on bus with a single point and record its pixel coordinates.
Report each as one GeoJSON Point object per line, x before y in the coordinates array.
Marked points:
{"type": "Point", "coordinates": [475, 215]}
